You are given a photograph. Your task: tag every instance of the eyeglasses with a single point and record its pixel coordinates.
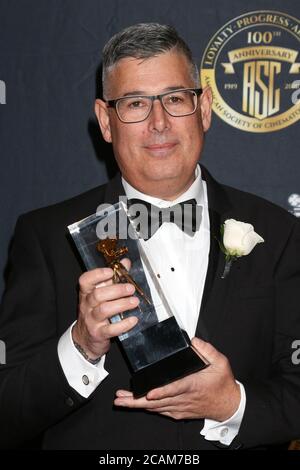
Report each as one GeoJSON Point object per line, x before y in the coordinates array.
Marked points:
{"type": "Point", "coordinates": [137, 108]}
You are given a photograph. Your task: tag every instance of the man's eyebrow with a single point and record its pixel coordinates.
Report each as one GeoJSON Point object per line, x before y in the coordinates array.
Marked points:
{"type": "Point", "coordinates": [135, 93]}
{"type": "Point", "coordinates": [144, 93]}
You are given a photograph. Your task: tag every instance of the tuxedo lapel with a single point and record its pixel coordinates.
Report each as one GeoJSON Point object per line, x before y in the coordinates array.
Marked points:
{"type": "Point", "coordinates": [213, 261]}
{"type": "Point", "coordinates": [216, 289]}
{"type": "Point", "coordinates": [114, 189]}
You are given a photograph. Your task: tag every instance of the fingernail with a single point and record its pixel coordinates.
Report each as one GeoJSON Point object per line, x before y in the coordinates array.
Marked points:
{"type": "Point", "coordinates": [133, 300]}
{"type": "Point", "coordinates": [129, 288]}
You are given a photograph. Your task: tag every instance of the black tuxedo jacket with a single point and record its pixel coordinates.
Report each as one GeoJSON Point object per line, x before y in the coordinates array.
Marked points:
{"type": "Point", "coordinates": [252, 316]}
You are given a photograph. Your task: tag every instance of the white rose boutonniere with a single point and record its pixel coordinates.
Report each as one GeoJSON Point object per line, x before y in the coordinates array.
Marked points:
{"type": "Point", "coordinates": [238, 239]}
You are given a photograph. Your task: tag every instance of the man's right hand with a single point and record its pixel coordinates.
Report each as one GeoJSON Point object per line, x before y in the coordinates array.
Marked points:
{"type": "Point", "coordinates": [99, 300]}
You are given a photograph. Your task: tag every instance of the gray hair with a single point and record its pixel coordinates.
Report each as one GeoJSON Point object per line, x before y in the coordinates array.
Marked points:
{"type": "Point", "coordinates": [143, 41]}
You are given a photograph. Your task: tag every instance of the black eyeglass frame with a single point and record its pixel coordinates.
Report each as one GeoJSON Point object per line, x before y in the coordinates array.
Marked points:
{"type": "Point", "coordinates": [114, 103]}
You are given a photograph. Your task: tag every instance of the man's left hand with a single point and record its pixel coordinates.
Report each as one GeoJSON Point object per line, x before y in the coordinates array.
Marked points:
{"type": "Point", "coordinates": [211, 393]}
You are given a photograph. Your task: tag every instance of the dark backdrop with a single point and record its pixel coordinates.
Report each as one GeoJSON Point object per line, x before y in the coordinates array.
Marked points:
{"type": "Point", "coordinates": [50, 145]}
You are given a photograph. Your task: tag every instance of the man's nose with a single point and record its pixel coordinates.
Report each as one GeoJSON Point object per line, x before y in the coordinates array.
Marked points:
{"type": "Point", "coordinates": [159, 118]}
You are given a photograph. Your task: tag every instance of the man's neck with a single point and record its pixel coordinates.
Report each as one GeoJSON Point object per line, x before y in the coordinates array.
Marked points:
{"type": "Point", "coordinates": [193, 186]}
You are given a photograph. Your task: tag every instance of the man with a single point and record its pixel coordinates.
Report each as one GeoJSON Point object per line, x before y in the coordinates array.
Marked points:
{"type": "Point", "coordinates": [66, 378]}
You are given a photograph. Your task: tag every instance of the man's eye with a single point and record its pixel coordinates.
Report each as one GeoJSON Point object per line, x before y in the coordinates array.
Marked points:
{"type": "Point", "coordinates": [136, 104]}
{"type": "Point", "coordinates": [175, 99]}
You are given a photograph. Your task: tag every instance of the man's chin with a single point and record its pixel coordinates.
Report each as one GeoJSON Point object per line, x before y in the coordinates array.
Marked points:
{"type": "Point", "coordinates": [163, 176]}
{"type": "Point", "coordinates": [164, 167]}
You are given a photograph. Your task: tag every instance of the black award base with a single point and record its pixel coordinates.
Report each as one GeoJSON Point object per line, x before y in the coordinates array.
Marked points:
{"type": "Point", "coordinates": [167, 370]}
{"type": "Point", "coordinates": [159, 355]}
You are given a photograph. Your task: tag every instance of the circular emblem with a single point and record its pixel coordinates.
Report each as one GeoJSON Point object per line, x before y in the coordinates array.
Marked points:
{"type": "Point", "coordinates": [252, 65]}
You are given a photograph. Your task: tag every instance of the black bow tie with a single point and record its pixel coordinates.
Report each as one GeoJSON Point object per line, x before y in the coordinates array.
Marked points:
{"type": "Point", "coordinates": [147, 218]}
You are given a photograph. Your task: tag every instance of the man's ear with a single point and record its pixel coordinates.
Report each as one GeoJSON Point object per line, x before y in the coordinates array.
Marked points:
{"type": "Point", "coordinates": [101, 112]}
{"type": "Point", "coordinates": [206, 107]}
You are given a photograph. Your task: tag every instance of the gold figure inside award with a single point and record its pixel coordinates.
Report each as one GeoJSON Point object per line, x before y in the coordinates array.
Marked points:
{"type": "Point", "coordinates": [112, 254]}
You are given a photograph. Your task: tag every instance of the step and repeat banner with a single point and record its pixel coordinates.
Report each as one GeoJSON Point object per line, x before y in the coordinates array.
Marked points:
{"type": "Point", "coordinates": [50, 56]}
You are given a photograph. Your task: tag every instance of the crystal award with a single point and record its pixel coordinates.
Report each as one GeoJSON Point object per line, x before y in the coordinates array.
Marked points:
{"type": "Point", "coordinates": [158, 349]}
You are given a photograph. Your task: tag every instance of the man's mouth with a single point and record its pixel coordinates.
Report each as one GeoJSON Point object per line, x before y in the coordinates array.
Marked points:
{"type": "Point", "coordinates": [160, 148]}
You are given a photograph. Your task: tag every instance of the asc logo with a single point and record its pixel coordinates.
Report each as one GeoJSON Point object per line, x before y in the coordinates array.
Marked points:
{"type": "Point", "coordinates": [252, 65]}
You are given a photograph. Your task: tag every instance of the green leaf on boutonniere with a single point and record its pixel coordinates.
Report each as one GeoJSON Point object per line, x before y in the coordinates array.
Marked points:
{"type": "Point", "coordinates": [228, 258]}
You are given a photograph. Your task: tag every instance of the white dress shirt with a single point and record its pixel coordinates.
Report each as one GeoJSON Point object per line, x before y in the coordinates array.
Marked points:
{"type": "Point", "coordinates": [180, 262]}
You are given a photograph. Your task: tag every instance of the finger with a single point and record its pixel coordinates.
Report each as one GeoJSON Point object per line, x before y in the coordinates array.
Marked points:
{"type": "Point", "coordinates": [111, 330]}
{"type": "Point", "coordinates": [112, 292]}
{"type": "Point", "coordinates": [131, 402]}
{"type": "Point", "coordinates": [166, 413]}
{"type": "Point", "coordinates": [134, 403]}
{"type": "Point", "coordinates": [178, 415]}
{"type": "Point", "coordinates": [171, 390]}
{"type": "Point", "coordinates": [206, 350]}
{"type": "Point", "coordinates": [90, 279]}
{"type": "Point", "coordinates": [106, 310]}
{"type": "Point", "coordinates": [166, 404]}
{"type": "Point", "coordinates": [143, 402]}
{"type": "Point", "coordinates": [126, 263]}
{"type": "Point", "coordinates": [162, 410]}
{"type": "Point", "coordinates": [183, 412]}
{"type": "Point", "coordinates": [123, 393]}
{"type": "Point", "coordinates": [110, 282]}
{"type": "Point", "coordinates": [174, 414]}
